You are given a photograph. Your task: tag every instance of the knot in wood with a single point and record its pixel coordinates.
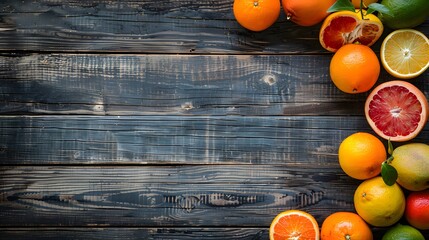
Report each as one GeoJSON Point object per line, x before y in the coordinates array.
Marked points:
{"type": "Point", "coordinates": [187, 106]}
{"type": "Point", "coordinates": [269, 79]}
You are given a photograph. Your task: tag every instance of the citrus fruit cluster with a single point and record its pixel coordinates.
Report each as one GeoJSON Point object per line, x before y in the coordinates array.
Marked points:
{"type": "Point", "coordinates": [381, 202]}
{"type": "Point", "coordinates": [396, 110]}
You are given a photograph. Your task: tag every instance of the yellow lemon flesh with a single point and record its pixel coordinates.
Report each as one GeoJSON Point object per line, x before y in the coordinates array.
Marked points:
{"type": "Point", "coordinates": [405, 53]}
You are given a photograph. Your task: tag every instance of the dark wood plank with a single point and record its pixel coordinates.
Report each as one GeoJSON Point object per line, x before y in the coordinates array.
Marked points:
{"type": "Point", "coordinates": [174, 84]}
{"type": "Point", "coordinates": [134, 233]}
{"type": "Point", "coordinates": [301, 141]}
{"type": "Point", "coordinates": [167, 84]}
{"type": "Point", "coordinates": [143, 26]}
{"type": "Point", "coordinates": [219, 195]}
{"type": "Point", "coordinates": [238, 201]}
{"type": "Point", "coordinates": [146, 233]}
{"type": "Point", "coordinates": [146, 26]}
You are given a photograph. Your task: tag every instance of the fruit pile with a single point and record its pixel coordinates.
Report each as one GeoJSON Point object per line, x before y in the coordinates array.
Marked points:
{"type": "Point", "coordinates": [395, 182]}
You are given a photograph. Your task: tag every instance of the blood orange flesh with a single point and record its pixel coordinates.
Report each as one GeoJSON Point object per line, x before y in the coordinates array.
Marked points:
{"type": "Point", "coordinates": [397, 110]}
{"type": "Point", "coordinates": [345, 27]}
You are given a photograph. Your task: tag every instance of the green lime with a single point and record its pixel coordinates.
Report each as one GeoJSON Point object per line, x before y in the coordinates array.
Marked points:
{"type": "Point", "coordinates": [403, 232]}
{"type": "Point", "coordinates": [405, 13]}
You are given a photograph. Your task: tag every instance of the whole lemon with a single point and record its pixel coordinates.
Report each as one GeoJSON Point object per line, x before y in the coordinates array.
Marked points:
{"type": "Point", "coordinates": [379, 204]}
{"type": "Point", "coordinates": [361, 154]}
{"type": "Point", "coordinates": [411, 161]}
{"type": "Point", "coordinates": [404, 13]}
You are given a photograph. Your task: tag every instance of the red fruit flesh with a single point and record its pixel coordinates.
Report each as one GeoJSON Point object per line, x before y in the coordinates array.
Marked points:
{"type": "Point", "coordinates": [397, 110]}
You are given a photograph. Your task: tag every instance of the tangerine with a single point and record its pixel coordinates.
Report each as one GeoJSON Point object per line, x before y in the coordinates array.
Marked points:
{"type": "Point", "coordinates": [345, 225]}
{"type": "Point", "coordinates": [256, 15]}
{"type": "Point", "coordinates": [354, 68]}
{"type": "Point", "coordinates": [361, 155]}
{"type": "Point", "coordinates": [306, 12]}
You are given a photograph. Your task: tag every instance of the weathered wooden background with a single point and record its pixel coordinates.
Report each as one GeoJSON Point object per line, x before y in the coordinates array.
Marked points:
{"type": "Point", "coordinates": [166, 120]}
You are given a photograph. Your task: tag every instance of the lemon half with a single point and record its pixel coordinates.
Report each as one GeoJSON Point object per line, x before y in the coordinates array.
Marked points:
{"type": "Point", "coordinates": [404, 53]}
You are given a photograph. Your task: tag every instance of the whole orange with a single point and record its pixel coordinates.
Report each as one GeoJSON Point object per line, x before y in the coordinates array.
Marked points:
{"type": "Point", "coordinates": [361, 154]}
{"type": "Point", "coordinates": [306, 12]}
{"type": "Point", "coordinates": [345, 225]}
{"type": "Point", "coordinates": [354, 68]}
{"type": "Point", "coordinates": [256, 15]}
{"type": "Point", "coordinates": [417, 209]}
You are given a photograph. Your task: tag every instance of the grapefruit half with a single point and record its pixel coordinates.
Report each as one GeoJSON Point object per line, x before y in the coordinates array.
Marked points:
{"type": "Point", "coordinates": [397, 110]}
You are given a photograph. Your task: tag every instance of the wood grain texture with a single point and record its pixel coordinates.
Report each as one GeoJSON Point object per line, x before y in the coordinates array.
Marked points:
{"type": "Point", "coordinates": [144, 233]}
{"type": "Point", "coordinates": [175, 85]}
{"type": "Point", "coordinates": [159, 84]}
{"type": "Point", "coordinates": [165, 26]}
{"type": "Point", "coordinates": [166, 120]}
{"type": "Point", "coordinates": [300, 141]}
{"type": "Point", "coordinates": [142, 26]}
{"type": "Point", "coordinates": [134, 233]}
{"type": "Point", "coordinates": [218, 195]}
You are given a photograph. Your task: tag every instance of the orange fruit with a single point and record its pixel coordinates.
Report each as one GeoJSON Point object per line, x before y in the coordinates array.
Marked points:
{"type": "Point", "coordinates": [361, 154]}
{"type": "Point", "coordinates": [396, 110]}
{"type": "Point", "coordinates": [404, 53]}
{"type": "Point", "coordinates": [417, 209]}
{"type": "Point", "coordinates": [379, 204]}
{"type": "Point", "coordinates": [256, 15]}
{"type": "Point", "coordinates": [356, 3]}
{"type": "Point", "coordinates": [354, 68]}
{"type": "Point", "coordinates": [306, 12]}
{"type": "Point", "coordinates": [294, 224]}
{"type": "Point", "coordinates": [345, 225]}
{"type": "Point", "coordinates": [343, 27]}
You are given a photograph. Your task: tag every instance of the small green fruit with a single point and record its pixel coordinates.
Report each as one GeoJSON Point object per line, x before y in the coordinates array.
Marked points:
{"type": "Point", "coordinates": [405, 13]}
{"type": "Point", "coordinates": [403, 232]}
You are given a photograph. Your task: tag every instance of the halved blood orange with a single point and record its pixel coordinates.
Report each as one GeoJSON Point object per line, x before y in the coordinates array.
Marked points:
{"type": "Point", "coordinates": [294, 224]}
{"type": "Point", "coordinates": [397, 110]}
{"type": "Point", "coordinates": [345, 27]}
